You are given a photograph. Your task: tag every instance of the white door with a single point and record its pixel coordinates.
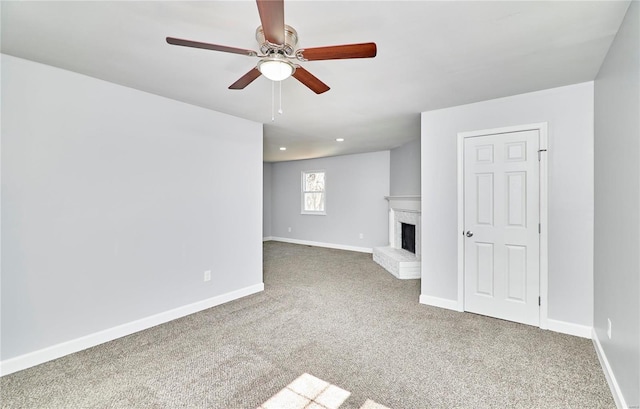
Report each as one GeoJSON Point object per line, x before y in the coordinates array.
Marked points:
{"type": "Point", "coordinates": [501, 226]}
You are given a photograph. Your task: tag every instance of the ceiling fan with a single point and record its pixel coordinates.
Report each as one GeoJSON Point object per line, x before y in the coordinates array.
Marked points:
{"type": "Point", "coordinates": [278, 54]}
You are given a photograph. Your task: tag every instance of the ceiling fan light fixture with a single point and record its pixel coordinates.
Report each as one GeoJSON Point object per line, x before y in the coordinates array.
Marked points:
{"type": "Point", "coordinates": [276, 68]}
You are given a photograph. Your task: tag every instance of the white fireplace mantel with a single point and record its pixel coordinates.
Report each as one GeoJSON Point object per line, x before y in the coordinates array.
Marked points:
{"type": "Point", "coordinates": [410, 203]}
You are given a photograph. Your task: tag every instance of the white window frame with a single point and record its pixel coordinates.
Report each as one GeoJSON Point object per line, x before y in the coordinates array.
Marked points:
{"type": "Point", "coordinates": [302, 192]}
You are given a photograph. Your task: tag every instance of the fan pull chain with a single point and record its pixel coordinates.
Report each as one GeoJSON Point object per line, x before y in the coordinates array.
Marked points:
{"type": "Point", "coordinates": [273, 115]}
{"type": "Point", "coordinates": [280, 96]}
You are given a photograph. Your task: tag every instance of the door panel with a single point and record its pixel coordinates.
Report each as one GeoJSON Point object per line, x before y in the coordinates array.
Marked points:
{"type": "Point", "coordinates": [484, 154]}
{"type": "Point", "coordinates": [516, 273]}
{"type": "Point", "coordinates": [484, 197]}
{"type": "Point", "coordinates": [484, 268]}
{"type": "Point", "coordinates": [501, 211]}
{"type": "Point", "coordinates": [516, 199]}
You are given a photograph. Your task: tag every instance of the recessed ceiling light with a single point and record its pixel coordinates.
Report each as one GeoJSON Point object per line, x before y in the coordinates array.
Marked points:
{"type": "Point", "coordinates": [282, 148]}
{"type": "Point", "coordinates": [340, 139]}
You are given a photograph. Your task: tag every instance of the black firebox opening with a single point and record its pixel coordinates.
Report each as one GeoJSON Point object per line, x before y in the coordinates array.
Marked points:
{"type": "Point", "coordinates": [409, 237]}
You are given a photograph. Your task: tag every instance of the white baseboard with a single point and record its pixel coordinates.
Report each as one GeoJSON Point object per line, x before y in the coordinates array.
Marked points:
{"type": "Point", "coordinates": [69, 347]}
{"type": "Point", "coordinates": [268, 238]}
{"type": "Point", "coordinates": [439, 302]}
{"type": "Point", "coordinates": [608, 373]}
{"type": "Point", "coordinates": [552, 325]}
{"type": "Point", "coordinates": [569, 328]}
{"type": "Point", "coordinates": [327, 245]}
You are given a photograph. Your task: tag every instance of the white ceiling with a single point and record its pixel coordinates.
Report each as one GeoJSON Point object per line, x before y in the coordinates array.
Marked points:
{"type": "Point", "coordinates": [430, 55]}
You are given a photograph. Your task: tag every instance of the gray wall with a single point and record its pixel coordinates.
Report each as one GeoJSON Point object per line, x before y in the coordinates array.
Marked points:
{"type": "Point", "coordinates": [115, 202]}
{"type": "Point", "coordinates": [356, 186]}
{"type": "Point", "coordinates": [266, 201]}
{"type": "Point", "coordinates": [405, 169]}
{"type": "Point", "coordinates": [569, 113]}
{"type": "Point", "coordinates": [617, 206]}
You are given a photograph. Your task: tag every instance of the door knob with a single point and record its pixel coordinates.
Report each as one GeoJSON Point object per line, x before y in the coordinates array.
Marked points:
{"type": "Point", "coordinates": [469, 233]}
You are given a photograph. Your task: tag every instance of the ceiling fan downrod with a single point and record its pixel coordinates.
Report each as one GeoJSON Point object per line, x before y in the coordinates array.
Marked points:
{"type": "Point", "coordinates": [287, 48]}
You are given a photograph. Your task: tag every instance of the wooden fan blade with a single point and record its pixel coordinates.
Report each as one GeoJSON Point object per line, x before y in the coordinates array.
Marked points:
{"type": "Point", "coordinates": [246, 79]}
{"type": "Point", "coordinates": [310, 81]}
{"type": "Point", "coordinates": [207, 46]}
{"type": "Point", "coordinates": [272, 18]}
{"type": "Point", "coordinates": [337, 52]}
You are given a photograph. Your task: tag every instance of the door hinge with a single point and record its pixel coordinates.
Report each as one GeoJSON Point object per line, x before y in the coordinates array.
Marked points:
{"type": "Point", "coordinates": [539, 228]}
{"type": "Point", "coordinates": [539, 301]}
{"type": "Point", "coordinates": [540, 153]}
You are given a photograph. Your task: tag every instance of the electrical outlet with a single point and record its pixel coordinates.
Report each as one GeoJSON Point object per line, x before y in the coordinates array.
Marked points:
{"type": "Point", "coordinates": [289, 229]}
{"type": "Point", "coordinates": [609, 328]}
{"type": "Point", "coordinates": [361, 236]}
{"type": "Point", "coordinates": [207, 275]}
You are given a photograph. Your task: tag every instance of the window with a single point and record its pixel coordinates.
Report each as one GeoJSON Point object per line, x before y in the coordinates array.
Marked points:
{"type": "Point", "coordinates": [313, 188]}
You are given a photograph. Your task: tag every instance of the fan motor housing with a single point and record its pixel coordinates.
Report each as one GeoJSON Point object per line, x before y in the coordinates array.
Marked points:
{"type": "Point", "coordinates": [290, 41]}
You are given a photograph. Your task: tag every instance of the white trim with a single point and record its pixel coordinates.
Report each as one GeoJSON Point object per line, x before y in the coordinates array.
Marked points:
{"type": "Point", "coordinates": [405, 203]}
{"type": "Point", "coordinates": [268, 238]}
{"type": "Point", "coordinates": [460, 234]}
{"type": "Point", "coordinates": [544, 223]}
{"type": "Point", "coordinates": [440, 302]}
{"type": "Point", "coordinates": [608, 373]}
{"type": "Point", "coordinates": [542, 129]}
{"type": "Point", "coordinates": [569, 328]}
{"type": "Point", "coordinates": [404, 197]}
{"type": "Point", "coordinates": [326, 245]}
{"type": "Point", "coordinates": [69, 347]}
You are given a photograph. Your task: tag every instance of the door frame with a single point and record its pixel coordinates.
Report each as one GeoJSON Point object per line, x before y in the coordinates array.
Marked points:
{"type": "Point", "coordinates": [543, 174]}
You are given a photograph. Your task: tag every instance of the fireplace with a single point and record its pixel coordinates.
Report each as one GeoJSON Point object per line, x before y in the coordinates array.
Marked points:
{"type": "Point", "coordinates": [402, 256]}
{"type": "Point", "coordinates": [403, 220]}
{"type": "Point", "coordinates": [409, 237]}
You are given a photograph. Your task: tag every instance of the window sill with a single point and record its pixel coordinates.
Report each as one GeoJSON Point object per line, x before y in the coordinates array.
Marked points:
{"type": "Point", "coordinates": [314, 213]}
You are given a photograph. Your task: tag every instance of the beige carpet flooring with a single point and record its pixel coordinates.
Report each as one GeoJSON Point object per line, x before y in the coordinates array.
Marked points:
{"type": "Point", "coordinates": [339, 317]}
